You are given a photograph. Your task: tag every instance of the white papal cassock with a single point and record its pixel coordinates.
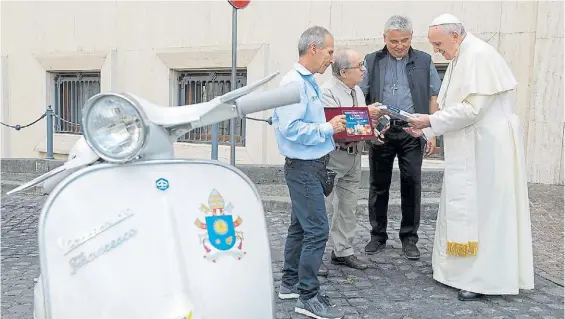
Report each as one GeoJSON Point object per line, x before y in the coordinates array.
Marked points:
{"type": "Point", "coordinates": [483, 241]}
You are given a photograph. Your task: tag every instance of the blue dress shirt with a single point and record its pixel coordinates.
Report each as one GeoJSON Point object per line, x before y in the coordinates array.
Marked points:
{"type": "Point", "coordinates": [301, 129]}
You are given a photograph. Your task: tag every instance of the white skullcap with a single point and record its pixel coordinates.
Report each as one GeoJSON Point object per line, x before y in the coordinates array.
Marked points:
{"type": "Point", "coordinates": [445, 18]}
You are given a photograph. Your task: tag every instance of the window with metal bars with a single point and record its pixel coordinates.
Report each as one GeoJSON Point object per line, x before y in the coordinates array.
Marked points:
{"type": "Point", "coordinates": [441, 68]}
{"type": "Point", "coordinates": [72, 90]}
{"type": "Point", "coordinates": [200, 86]}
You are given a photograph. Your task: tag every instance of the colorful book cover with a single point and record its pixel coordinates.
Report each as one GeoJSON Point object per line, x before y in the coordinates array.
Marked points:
{"type": "Point", "coordinates": [357, 122]}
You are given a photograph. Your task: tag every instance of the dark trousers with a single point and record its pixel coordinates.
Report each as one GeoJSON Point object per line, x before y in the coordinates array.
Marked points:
{"type": "Point", "coordinates": [308, 230]}
{"type": "Point", "coordinates": [381, 159]}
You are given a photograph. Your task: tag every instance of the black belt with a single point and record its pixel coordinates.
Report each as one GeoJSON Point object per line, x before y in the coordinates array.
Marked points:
{"type": "Point", "coordinates": [397, 122]}
{"type": "Point", "coordinates": [352, 150]}
{"type": "Point", "coordinates": [324, 159]}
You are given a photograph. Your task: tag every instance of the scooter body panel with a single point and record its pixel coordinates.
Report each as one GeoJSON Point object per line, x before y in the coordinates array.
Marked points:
{"type": "Point", "coordinates": [156, 239]}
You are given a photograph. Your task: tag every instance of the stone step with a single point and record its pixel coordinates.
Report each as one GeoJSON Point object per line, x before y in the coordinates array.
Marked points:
{"type": "Point", "coordinates": [362, 194]}
{"type": "Point", "coordinates": [28, 165]}
{"type": "Point", "coordinates": [275, 195]}
{"type": "Point", "coordinates": [276, 199]}
{"type": "Point", "coordinates": [17, 177]}
{"type": "Point", "coordinates": [269, 180]}
{"type": "Point", "coordinates": [7, 185]}
{"type": "Point", "coordinates": [16, 171]}
{"type": "Point", "coordinates": [273, 175]}
{"type": "Point", "coordinates": [428, 208]}
{"type": "Point", "coordinates": [280, 203]}
{"type": "Point", "coordinates": [34, 165]}
{"type": "Point", "coordinates": [23, 170]}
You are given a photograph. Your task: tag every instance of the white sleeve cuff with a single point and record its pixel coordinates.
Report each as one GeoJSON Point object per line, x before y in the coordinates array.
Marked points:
{"type": "Point", "coordinates": [428, 133]}
{"type": "Point", "coordinates": [327, 129]}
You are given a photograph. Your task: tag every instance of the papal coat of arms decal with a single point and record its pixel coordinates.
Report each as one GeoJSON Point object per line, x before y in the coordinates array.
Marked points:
{"type": "Point", "coordinates": [220, 237]}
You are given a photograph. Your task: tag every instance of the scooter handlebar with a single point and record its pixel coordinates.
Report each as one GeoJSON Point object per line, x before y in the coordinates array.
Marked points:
{"type": "Point", "coordinates": [255, 102]}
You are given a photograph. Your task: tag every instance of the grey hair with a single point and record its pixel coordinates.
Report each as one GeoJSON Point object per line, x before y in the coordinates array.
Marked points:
{"type": "Point", "coordinates": [453, 27]}
{"type": "Point", "coordinates": [400, 23]}
{"type": "Point", "coordinates": [341, 61]}
{"type": "Point", "coordinates": [314, 35]}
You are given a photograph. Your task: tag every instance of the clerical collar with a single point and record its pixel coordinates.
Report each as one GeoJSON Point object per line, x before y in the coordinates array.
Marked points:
{"type": "Point", "coordinates": [397, 59]}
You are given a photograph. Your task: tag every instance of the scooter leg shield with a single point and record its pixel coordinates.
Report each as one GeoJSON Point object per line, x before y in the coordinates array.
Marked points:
{"type": "Point", "coordinates": [158, 239]}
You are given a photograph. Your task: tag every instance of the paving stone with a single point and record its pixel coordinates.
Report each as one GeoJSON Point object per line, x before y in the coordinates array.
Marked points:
{"type": "Point", "coordinates": [393, 287]}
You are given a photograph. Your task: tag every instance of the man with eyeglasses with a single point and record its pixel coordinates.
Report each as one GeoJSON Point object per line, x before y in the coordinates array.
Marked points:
{"type": "Point", "coordinates": [343, 90]}
{"type": "Point", "coordinates": [400, 76]}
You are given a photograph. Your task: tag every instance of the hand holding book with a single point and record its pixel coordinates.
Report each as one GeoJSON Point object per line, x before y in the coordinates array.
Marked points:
{"type": "Point", "coordinates": [375, 111]}
{"type": "Point", "coordinates": [420, 121]}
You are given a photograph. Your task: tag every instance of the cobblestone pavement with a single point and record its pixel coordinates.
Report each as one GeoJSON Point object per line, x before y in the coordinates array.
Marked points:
{"type": "Point", "coordinates": [546, 204]}
{"type": "Point", "coordinates": [392, 287]}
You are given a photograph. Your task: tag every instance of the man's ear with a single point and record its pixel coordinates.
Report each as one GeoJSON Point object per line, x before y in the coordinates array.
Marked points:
{"type": "Point", "coordinates": [313, 49]}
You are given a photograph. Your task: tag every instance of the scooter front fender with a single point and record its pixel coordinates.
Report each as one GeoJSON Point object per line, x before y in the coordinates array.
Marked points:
{"type": "Point", "coordinates": [156, 239]}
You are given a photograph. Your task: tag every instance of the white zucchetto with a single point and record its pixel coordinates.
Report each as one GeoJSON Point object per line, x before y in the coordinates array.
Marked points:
{"type": "Point", "coordinates": [445, 18]}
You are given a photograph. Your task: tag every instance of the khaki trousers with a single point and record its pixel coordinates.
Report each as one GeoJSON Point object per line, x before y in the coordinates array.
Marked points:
{"type": "Point", "coordinates": [342, 202]}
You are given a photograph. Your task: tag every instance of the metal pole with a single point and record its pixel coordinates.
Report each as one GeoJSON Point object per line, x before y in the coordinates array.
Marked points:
{"type": "Point", "coordinates": [215, 128]}
{"type": "Point", "coordinates": [214, 135]}
{"type": "Point", "coordinates": [215, 141]}
{"type": "Point", "coordinates": [233, 80]}
{"type": "Point", "coordinates": [49, 117]}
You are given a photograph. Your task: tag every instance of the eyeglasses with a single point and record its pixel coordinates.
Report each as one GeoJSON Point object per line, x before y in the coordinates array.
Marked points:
{"type": "Point", "coordinates": [359, 66]}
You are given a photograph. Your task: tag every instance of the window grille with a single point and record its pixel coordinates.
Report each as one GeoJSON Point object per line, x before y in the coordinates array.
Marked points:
{"type": "Point", "coordinates": [441, 68]}
{"type": "Point", "coordinates": [72, 90]}
{"type": "Point", "coordinates": [200, 86]}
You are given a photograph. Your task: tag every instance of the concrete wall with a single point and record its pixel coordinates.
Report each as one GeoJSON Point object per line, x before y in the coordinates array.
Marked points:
{"type": "Point", "coordinates": [138, 45]}
{"type": "Point", "coordinates": [546, 127]}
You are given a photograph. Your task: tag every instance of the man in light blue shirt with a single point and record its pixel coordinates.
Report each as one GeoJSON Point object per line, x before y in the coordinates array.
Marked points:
{"type": "Point", "coordinates": [301, 129]}
{"type": "Point", "coordinates": [305, 138]}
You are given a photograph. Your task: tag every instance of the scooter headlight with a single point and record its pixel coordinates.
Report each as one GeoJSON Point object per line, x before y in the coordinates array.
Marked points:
{"type": "Point", "coordinates": [114, 127]}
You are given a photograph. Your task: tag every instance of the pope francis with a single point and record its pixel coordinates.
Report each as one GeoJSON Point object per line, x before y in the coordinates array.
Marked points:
{"type": "Point", "coordinates": [483, 243]}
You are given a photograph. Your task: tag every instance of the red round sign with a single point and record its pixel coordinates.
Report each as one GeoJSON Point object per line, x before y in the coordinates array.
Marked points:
{"type": "Point", "coordinates": [239, 4]}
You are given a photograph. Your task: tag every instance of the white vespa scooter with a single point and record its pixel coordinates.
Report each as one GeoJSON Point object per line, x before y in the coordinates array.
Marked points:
{"type": "Point", "coordinates": [129, 232]}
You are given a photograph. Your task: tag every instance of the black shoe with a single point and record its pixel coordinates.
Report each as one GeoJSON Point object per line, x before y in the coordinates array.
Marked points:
{"type": "Point", "coordinates": [410, 250]}
{"type": "Point", "coordinates": [349, 261]}
{"type": "Point", "coordinates": [465, 295]}
{"type": "Point", "coordinates": [323, 270]}
{"type": "Point", "coordinates": [375, 246]}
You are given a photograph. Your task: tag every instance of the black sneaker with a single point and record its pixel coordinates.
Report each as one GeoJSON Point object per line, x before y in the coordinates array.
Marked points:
{"type": "Point", "coordinates": [410, 250]}
{"type": "Point", "coordinates": [375, 246]}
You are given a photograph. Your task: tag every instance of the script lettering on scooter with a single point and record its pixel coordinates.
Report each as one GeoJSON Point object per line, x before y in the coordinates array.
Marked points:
{"type": "Point", "coordinates": [83, 259]}
{"type": "Point", "coordinates": [68, 245]}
